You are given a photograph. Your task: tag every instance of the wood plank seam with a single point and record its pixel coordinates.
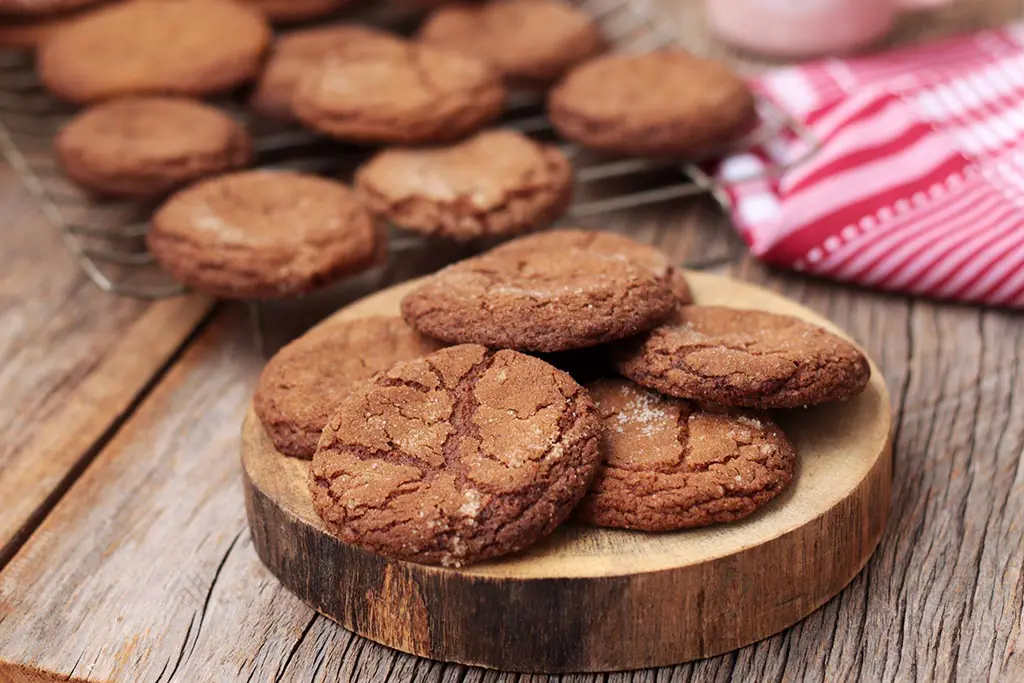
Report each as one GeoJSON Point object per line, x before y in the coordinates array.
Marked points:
{"type": "Point", "coordinates": [10, 549]}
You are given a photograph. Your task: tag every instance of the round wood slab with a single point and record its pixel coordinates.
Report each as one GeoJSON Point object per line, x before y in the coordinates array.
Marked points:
{"type": "Point", "coordinates": [591, 599]}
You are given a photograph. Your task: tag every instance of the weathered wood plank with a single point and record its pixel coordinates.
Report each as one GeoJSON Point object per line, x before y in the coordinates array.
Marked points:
{"type": "Point", "coordinates": [153, 535]}
{"type": "Point", "coordinates": [151, 570]}
{"type": "Point", "coordinates": [952, 552]}
{"type": "Point", "coordinates": [942, 599]}
{"type": "Point", "coordinates": [72, 361]}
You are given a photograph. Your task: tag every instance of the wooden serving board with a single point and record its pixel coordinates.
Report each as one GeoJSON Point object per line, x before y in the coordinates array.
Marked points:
{"type": "Point", "coordinates": [589, 599]}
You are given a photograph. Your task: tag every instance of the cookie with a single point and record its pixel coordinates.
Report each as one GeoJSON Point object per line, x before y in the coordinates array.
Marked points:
{"type": "Point", "coordinates": [745, 358]}
{"type": "Point", "coordinates": [421, 95]}
{"type": "Point", "coordinates": [37, 8]}
{"type": "Point", "coordinates": [565, 239]}
{"type": "Point", "coordinates": [539, 301]}
{"type": "Point", "coordinates": [662, 104]}
{"type": "Point", "coordinates": [531, 42]}
{"type": "Point", "coordinates": [288, 11]}
{"type": "Point", "coordinates": [309, 378]}
{"type": "Point", "coordinates": [497, 183]}
{"type": "Point", "coordinates": [298, 52]}
{"type": "Point", "coordinates": [668, 464]}
{"type": "Point", "coordinates": [184, 47]}
{"type": "Point", "coordinates": [146, 146]}
{"type": "Point", "coordinates": [464, 455]}
{"type": "Point", "coordinates": [263, 234]}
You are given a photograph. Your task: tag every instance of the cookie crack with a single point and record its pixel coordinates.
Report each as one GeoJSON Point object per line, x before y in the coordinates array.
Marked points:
{"type": "Point", "coordinates": [533, 494]}
{"type": "Point", "coordinates": [401, 382]}
{"type": "Point", "coordinates": [358, 512]}
{"type": "Point", "coordinates": [393, 455]}
{"type": "Point", "coordinates": [464, 409]}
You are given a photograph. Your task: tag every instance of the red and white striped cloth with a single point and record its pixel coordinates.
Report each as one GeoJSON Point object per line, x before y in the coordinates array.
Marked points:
{"type": "Point", "coordinates": [919, 183]}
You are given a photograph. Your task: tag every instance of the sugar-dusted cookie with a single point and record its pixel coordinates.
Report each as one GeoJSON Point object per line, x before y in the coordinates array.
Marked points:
{"type": "Point", "coordinates": [421, 95]}
{"type": "Point", "coordinates": [669, 464]}
{"type": "Point", "coordinates": [296, 53]}
{"type": "Point", "coordinates": [497, 183]}
{"type": "Point", "coordinates": [306, 380]}
{"type": "Point", "coordinates": [263, 234]}
{"type": "Point", "coordinates": [662, 104]}
{"type": "Point", "coordinates": [531, 42]}
{"type": "Point", "coordinates": [745, 358]}
{"type": "Point", "coordinates": [461, 456]}
{"type": "Point", "coordinates": [562, 240]}
{"type": "Point", "coordinates": [287, 11]}
{"type": "Point", "coordinates": [539, 301]}
{"type": "Point", "coordinates": [147, 146]}
{"type": "Point", "coordinates": [179, 47]}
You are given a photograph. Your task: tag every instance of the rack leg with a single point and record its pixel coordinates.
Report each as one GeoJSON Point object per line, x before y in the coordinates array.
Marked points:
{"type": "Point", "coordinates": [256, 326]}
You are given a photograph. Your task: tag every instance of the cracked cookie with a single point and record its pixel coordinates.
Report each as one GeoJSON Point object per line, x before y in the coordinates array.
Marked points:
{"type": "Point", "coordinates": [309, 378]}
{"type": "Point", "coordinates": [531, 42]}
{"type": "Point", "coordinates": [497, 183]}
{"type": "Point", "coordinates": [420, 95]}
{"type": "Point", "coordinates": [298, 52]}
{"type": "Point", "coordinates": [670, 464]}
{"type": "Point", "coordinates": [563, 239]}
{"type": "Point", "coordinates": [146, 146]}
{"type": "Point", "coordinates": [745, 358]}
{"type": "Point", "coordinates": [662, 104]}
{"type": "Point", "coordinates": [287, 11]}
{"type": "Point", "coordinates": [464, 455]}
{"type": "Point", "coordinates": [185, 47]}
{"type": "Point", "coordinates": [263, 234]}
{"type": "Point", "coordinates": [539, 301]}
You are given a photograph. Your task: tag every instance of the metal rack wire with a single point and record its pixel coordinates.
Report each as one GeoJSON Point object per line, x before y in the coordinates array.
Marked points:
{"type": "Point", "coordinates": [106, 237]}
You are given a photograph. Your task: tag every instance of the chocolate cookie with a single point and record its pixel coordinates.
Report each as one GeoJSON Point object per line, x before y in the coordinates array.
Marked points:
{"type": "Point", "coordinates": [531, 42]}
{"type": "Point", "coordinates": [614, 244]}
{"type": "Point", "coordinates": [263, 234]}
{"type": "Point", "coordinates": [422, 95]}
{"type": "Point", "coordinates": [497, 183]}
{"type": "Point", "coordinates": [539, 301]}
{"type": "Point", "coordinates": [297, 53]}
{"type": "Point", "coordinates": [147, 146]}
{"type": "Point", "coordinates": [745, 358]}
{"type": "Point", "coordinates": [287, 11]}
{"type": "Point", "coordinates": [455, 458]}
{"type": "Point", "coordinates": [309, 378]}
{"type": "Point", "coordinates": [663, 104]}
{"type": "Point", "coordinates": [36, 8]}
{"type": "Point", "coordinates": [669, 464]}
{"type": "Point", "coordinates": [184, 47]}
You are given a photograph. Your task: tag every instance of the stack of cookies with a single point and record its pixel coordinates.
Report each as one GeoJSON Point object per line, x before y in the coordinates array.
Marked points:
{"type": "Point", "coordinates": [142, 67]}
{"type": "Point", "coordinates": [563, 375]}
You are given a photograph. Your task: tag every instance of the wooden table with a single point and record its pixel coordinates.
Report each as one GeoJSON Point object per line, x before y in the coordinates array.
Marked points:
{"type": "Point", "coordinates": [123, 544]}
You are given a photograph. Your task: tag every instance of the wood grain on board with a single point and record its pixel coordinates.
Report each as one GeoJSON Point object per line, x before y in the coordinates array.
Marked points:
{"type": "Point", "coordinates": [144, 570]}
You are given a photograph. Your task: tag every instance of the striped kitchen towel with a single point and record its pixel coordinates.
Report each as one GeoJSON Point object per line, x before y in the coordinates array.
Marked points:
{"type": "Point", "coordinates": [918, 183]}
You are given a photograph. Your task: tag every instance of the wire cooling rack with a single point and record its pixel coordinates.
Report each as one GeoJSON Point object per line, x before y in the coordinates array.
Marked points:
{"type": "Point", "coordinates": [107, 237]}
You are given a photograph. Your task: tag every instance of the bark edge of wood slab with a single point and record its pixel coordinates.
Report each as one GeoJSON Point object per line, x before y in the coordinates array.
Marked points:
{"type": "Point", "coordinates": [593, 599]}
